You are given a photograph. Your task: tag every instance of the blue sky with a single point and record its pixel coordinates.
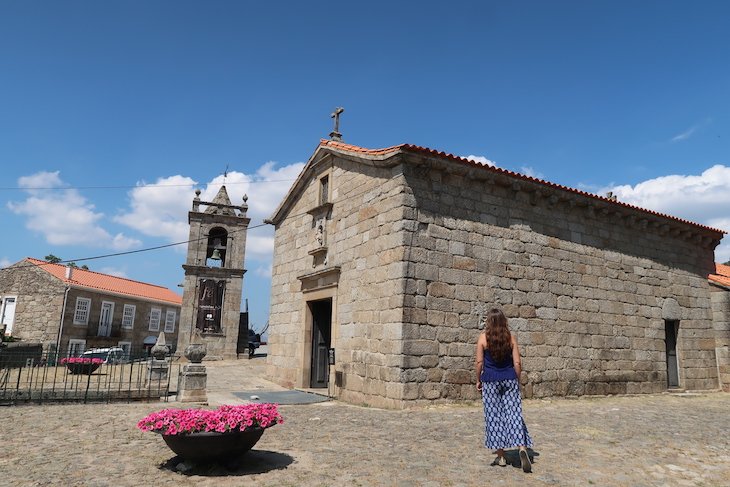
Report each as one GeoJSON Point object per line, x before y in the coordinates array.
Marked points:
{"type": "Point", "coordinates": [100, 98]}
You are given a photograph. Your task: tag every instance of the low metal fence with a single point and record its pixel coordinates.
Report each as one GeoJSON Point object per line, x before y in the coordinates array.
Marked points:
{"type": "Point", "coordinates": [35, 376]}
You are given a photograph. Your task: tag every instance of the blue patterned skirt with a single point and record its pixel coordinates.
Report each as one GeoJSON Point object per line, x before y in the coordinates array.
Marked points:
{"type": "Point", "coordinates": [504, 425]}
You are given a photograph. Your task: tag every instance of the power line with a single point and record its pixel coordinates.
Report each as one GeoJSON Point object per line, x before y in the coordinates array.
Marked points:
{"type": "Point", "coordinates": [38, 188]}
{"type": "Point", "coordinates": [147, 249]}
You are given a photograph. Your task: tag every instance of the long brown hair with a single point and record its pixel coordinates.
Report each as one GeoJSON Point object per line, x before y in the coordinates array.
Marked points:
{"type": "Point", "coordinates": [498, 336]}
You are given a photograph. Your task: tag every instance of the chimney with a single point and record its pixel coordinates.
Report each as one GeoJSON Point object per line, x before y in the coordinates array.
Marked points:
{"type": "Point", "coordinates": [69, 272]}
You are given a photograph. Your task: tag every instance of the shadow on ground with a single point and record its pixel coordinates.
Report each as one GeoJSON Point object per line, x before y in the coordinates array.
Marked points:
{"type": "Point", "coordinates": [252, 462]}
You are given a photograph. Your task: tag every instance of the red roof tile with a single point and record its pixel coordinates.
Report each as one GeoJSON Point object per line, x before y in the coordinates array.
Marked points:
{"type": "Point", "coordinates": [723, 275]}
{"type": "Point", "coordinates": [353, 148]}
{"type": "Point", "coordinates": [424, 150]}
{"type": "Point", "coordinates": [106, 282]}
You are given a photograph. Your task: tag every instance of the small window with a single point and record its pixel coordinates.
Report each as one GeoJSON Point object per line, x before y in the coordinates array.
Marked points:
{"type": "Point", "coordinates": [170, 316]}
{"type": "Point", "coordinates": [324, 190]}
{"type": "Point", "coordinates": [81, 315]}
{"type": "Point", "coordinates": [155, 314]}
{"type": "Point", "coordinates": [76, 347]}
{"type": "Point", "coordinates": [128, 316]}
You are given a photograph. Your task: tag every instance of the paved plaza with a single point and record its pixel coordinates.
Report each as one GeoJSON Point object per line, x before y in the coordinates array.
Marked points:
{"type": "Point", "coordinates": [651, 440]}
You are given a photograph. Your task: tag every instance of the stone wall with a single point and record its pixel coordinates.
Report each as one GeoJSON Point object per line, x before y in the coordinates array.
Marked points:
{"type": "Point", "coordinates": [583, 282]}
{"type": "Point", "coordinates": [364, 238]}
{"type": "Point", "coordinates": [39, 302]}
{"type": "Point", "coordinates": [721, 321]}
{"type": "Point", "coordinates": [421, 242]}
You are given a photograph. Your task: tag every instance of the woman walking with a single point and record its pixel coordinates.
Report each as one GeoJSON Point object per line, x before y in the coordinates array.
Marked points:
{"type": "Point", "coordinates": [498, 368]}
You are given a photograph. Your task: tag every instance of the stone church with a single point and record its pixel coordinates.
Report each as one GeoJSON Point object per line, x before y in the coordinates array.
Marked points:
{"type": "Point", "coordinates": [385, 260]}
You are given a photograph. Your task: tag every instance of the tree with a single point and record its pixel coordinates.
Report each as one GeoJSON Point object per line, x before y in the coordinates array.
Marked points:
{"type": "Point", "coordinates": [52, 259]}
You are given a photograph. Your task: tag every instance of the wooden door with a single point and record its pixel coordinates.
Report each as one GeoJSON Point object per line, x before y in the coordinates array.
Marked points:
{"type": "Point", "coordinates": [672, 328]}
{"type": "Point", "coordinates": [105, 319]}
{"type": "Point", "coordinates": [321, 342]}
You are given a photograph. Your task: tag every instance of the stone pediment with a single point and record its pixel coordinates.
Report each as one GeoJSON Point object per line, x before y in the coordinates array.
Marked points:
{"type": "Point", "coordinates": [221, 204]}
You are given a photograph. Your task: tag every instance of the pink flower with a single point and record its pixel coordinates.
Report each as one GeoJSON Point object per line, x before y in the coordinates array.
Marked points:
{"type": "Point", "coordinates": [225, 418]}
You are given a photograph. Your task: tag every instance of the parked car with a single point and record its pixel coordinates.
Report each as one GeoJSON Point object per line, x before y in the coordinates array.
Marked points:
{"type": "Point", "coordinates": [254, 342]}
{"type": "Point", "coordinates": [111, 355]}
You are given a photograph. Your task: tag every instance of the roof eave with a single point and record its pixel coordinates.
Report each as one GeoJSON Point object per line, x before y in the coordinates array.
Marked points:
{"type": "Point", "coordinates": [117, 293]}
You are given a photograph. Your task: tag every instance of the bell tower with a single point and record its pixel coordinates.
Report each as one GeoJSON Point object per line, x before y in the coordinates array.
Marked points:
{"type": "Point", "coordinates": [214, 274]}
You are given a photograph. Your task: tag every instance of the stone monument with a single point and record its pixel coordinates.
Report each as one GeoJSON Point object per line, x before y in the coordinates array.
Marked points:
{"type": "Point", "coordinates": [159, 366]}
{"type": "Point", "coordinates": [193, 380]}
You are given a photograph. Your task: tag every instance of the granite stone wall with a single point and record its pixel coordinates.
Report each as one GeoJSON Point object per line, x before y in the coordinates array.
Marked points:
{"type": "Point", "coordinates": [587, 287]}
{"type": "Point", "coordinates": [38, 305]}
{"type": "Point", "coordinates": [364, 239]}
{"type": "Point", "coordinates": [423, 245]}
{"type": "Point", "coordinates": [721, 321]}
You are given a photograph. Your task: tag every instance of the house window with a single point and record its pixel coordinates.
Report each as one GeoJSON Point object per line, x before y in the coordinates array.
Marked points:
{"type": "Point", "coordinates": [170, 321]}
{"type": "Point", "coordinates": [324, 190]}
{"type": "Point", "coordinates": [7, 313]}
{"type": "Point", "coordinates": [128, 316]}
{"type": "Point", "coordinates": [127, 347]}
{"type": "Point", "coordinates": [75, 347]}
{"type": "Point", "coordinates": [155, 314]}
{"type": "Point", "coordinates": [81, 315]}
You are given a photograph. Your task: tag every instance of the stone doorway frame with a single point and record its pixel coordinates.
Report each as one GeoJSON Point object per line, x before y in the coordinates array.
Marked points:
{"type": "Point", "coordinates": [305, 364]}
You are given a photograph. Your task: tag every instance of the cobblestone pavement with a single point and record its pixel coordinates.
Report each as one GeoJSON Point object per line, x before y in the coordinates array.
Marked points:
{"type": "Point", "coordinates": [652, 440]}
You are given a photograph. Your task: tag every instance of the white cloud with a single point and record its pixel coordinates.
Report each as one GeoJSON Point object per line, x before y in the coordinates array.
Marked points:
{"type": "Point", "coordinates": [685, 135]}
{"type": "Point", "coordinates": [530, 171]}
{"type": "Point", "coordinates": [702, 198]}
{"type": "Point", "coordinates": [526, 170]}
{"type": "Point", "coordinates": [112, 271]}
{"type": "Point", "coordinates": [64, 216]}
{"type": "Point", "coordinates": [264, 271]}
{"type": "Point", "coordinates": [161, 210]}
{"type": "Point", "coordinates": [480, 159]}
{"type": "Point", "coordinates": [43, 180]}
{"type": "Point", "coordinates": [4, 262]}
{"type": "Point", "coordinates": [260, 243]}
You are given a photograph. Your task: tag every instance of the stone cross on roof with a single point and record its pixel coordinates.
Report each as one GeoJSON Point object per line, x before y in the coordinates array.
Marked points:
{"type": "Point", "coordinates": [335, 134]}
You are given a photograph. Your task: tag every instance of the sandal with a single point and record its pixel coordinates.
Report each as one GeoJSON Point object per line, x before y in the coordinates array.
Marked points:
{"type": "Point", "coordinates": [525, 461]}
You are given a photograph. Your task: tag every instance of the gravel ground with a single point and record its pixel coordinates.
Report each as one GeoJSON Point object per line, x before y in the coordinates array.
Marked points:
{"type": "Point", "coordinates": [664, 439]}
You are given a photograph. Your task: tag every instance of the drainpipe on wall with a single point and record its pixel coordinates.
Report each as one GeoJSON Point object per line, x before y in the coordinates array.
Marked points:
{"type": "Point", "coordinates": [63, 315]}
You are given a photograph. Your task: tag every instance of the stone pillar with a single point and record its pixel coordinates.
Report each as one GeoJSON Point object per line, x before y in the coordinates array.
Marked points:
{"type": "Point", "coordinates": [193, 381]}
{"type": "Point", "coordinates": [192, 384]}
{"type": "Point", "coordinates": [158, 367]}
{"type": "Point", "coordinates": [721, 324]}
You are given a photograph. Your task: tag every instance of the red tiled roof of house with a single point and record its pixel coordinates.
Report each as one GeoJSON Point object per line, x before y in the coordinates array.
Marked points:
{"type": "Point", "coordinates": [424, 150]}
{"type": "Point", "coordinates": [109, 283]}
{"type": "Point", "coordinates": [722, 275]}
